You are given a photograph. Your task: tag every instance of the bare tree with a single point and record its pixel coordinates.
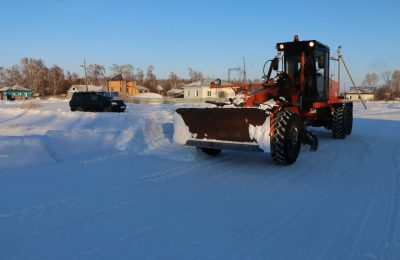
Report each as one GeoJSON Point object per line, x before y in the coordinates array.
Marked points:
{"type": "Point", "coordinates": [195, 75]}
{"type": "Point", "coordinates": [173, 80]}
{"type": "Point", "coordinates": [2, 75]}
{"type": "Point", "coordinates": [139, 76]}
{"type": "Point", "coordinates": [370, 80]}
{"type": "Point", "coordinates": [56, 78]}
{"type": "Point", "coordinates": [151, 79]}
{"type": "Point", "coordinates": [72, 78]}
{"type": "Point", "coordinates": [386, 76]}
{"type": "Point", "coordinates": [13, 76]}
{"type": "Point", "coordinates": [396, 80]}
{"type": "Point", "coordinates": [126, 70]}
{"type": "Point", "coordinates": [34, 73]}
{"type": "Point", "coordinates": [96, 74]}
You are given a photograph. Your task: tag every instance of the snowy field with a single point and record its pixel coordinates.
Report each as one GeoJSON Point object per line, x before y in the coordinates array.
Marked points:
{"type": "Point", "coordinates": [77, 185]}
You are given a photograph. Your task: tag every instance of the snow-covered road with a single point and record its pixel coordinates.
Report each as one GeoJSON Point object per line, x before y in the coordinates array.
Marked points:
{"type": "Point", "coordinates": [100, 186]}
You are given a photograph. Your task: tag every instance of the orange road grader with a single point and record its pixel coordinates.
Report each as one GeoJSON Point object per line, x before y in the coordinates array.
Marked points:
{"type": "Point", "coordinates": [272, 116]}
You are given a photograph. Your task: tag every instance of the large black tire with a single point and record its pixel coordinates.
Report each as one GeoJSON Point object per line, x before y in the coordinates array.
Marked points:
{"type": "Point", "coordinates": [348, 118]}
{"type": "Point", "coordinates": [286, 137]}
{"type": "Point", "coordinates": [338, 125]}
{"type": "Point", "coordinates": [211, 151]}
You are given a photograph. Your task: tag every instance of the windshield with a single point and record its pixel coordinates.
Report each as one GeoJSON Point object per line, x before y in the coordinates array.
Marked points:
{"type": "Point", "coordinates": [292, 65]}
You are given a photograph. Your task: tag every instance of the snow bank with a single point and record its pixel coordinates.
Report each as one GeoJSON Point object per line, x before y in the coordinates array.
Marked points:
{"type": "Point", "coordinates": [148, 95]}
{"type": "Point", "coordinates": [50, 132]}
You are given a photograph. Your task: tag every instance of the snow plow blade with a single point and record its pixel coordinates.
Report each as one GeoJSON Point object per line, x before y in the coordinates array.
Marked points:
{"type": "Point", "coordinates": [220, 128]}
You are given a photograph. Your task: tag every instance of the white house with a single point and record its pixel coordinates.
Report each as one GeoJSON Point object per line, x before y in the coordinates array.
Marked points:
{"type": "Point", "coordinates": [175, 93]}
{"type": "Point", "coordinates": [201, 89]}
{"type": "Point", "coordinates": [142, 89]}
{"type": "Point", "coordinates": [365, 93]}
{"type": "Point", "coordinates": [82, 88]}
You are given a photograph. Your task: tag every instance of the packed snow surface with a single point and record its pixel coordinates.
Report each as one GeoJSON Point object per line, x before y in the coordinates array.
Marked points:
{"type": "Point", "coordinates": [77, 185]}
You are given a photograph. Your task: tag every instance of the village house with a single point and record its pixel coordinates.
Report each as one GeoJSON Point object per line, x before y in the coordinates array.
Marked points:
{"type": "Point", "coordinates": [15, 92]}
{"type": "Point", "coordinates": [365, 93]}
{"type": "Point", "coordinates": [82, 88]}
{"type": "Point", "coordinates": [201, 89]}
{"type": "Point", "coordinates": [122, 86]}
{"type": "Point", "coordinates": [175, 93]}
{"type": "Point", "coordinates": [142, 89]}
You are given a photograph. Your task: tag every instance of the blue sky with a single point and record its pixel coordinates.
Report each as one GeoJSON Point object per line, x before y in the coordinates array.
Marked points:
{"type": "Point", "coordinates": [210, 36]}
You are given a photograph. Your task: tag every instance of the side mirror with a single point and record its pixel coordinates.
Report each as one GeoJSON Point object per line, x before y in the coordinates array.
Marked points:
{"type": "Point", "coordinates": [275, 64]}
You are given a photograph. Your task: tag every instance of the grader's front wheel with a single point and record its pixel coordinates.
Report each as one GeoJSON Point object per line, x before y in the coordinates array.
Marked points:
{"type": "Point", "coordinates": [286, 137]}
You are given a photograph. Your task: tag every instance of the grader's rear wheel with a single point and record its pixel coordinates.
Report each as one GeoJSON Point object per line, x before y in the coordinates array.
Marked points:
{"type": "Point", "coordinates": [348, 118]}
{"type": "Point", "coordinates": [338, 123]}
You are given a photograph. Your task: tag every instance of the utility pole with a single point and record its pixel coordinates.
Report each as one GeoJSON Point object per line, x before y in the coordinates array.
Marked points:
{"type": "Point", "coordinates": [84, 67]}
{"type": "Point", "coordinates": [244, 72]}
{"type": "Point", "coordinates": [339, 59]}
{"type": "Point", "coordinates": [339, 56]}
{"type": "Point", "coordinates": [229, 72]}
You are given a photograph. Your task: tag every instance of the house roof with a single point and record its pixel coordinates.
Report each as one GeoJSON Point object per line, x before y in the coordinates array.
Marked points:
{"type": "Point", "coordinates": [175, 91]}
{"type": "Point", "coordinates": [15, 87]}
{"type": "Point", "coordinates": [117, 77]}
{"type": "Point", "coordinates": [205, 83]}
{"type": "Point", "coordinates": [362, 90]}
{"type": "Point", "coordinates": [78, 88]}
{"type": "Point", "coordinates": [139, 87]}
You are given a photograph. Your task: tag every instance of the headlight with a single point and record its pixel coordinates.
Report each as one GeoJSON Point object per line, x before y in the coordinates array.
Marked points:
{"type": "Point", "coordinates": [311, 44]}
{"type": "Point", "coordinates": [114, 103]}
{"type": "Point", "coordinates": [281, 46]}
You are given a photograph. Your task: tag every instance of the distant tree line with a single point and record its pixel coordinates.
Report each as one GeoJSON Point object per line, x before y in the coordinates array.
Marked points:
{"type": "Point", "coordinates": [388, 89]}
{"type": "Point", "coordinates": [46, 81]}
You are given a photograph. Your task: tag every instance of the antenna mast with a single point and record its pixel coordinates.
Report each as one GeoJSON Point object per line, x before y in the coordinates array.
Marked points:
{"type": "Point", "coordinates": [244, 72]}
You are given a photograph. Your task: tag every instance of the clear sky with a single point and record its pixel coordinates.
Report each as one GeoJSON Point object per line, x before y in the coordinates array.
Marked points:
{"type": "Point", "coordinates": [209, 36]}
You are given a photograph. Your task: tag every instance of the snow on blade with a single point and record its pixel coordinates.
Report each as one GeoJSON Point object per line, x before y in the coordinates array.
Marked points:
{"type": "Point", "coordinates": [181, 130]}
{"type": "Point", "coordinates": [239, 99]}
{"type": "Point", "coordinates": [261, 135]}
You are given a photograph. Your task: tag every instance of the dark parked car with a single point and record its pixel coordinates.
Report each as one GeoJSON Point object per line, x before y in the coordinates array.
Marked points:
{"type": "Point", "coordinates": [96, 102]}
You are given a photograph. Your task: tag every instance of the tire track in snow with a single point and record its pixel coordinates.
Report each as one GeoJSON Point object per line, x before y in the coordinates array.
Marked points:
{"type": "Point", "coordinates": [73, 240]}
{"type": "Point", "coordinates": [376, 187]}
{"type": "Point", "coordinates": [382, 192]}
{"type": "Point", "coordinates": [7, 111]}
{"type": "Point", "coordinates": [30, 217]}
{"type": "Point", "coordinates": [183, 170]}
{"type": "Point", "coordinates": [346, 231]}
